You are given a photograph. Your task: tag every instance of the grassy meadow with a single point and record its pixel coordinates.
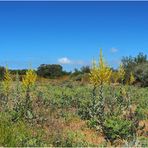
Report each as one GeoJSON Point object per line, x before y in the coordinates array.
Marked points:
{"type": "Point", "coordinates": [72, 112]}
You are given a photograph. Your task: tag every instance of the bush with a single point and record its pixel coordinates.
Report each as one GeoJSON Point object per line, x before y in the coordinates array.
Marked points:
{"type": "Point", "coordinates": [141, 74]}
{"type": "Point", "coordinates": [142, 113]}
{"type": "Point", "coordinates": [117, 128]}
{"type": "Point", "coordinates": [138, 66]}
{"type": "Point", "coordinates": [50, 71]}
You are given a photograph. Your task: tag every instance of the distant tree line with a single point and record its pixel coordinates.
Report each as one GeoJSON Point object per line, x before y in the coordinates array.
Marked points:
{"type": "Point", "coordinates": [44, 70]}
{"type": "Point", "coordinates": [137, 65]}
{"type": "Point", "coordinates": [51, 71]}
{"type": "Point", "coordinates": [47, 71]}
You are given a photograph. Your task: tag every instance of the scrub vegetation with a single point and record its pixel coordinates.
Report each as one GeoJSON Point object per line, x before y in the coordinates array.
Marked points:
{"type": "Point", "coordinates": [93, 106]}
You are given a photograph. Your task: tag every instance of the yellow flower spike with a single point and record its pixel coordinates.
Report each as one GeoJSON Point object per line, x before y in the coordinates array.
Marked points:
{"type": "Point", "coordinates": [101, 73]}
{"type": "Point", "coordinates": [101, 62]}
{"type": "Point", "coordinates": [7, 81]}
{"type": "Point", "coordinates": [121, 72]}
{"type": "Point", "coordinates": [115, 77]}
{"type": "Point", "coordinates": [29, 79]}
{"type": "Point", "coordinates": [132, 79]}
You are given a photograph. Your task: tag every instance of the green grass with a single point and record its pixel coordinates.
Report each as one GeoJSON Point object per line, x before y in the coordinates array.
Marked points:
{"type": "Point", "coordinates": [53, 107]}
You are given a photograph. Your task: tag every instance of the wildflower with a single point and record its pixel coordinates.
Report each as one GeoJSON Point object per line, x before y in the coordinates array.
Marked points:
{"type": "Point", "coordinates": [101, 73]}
{"type": "Point", "coordinates": [114, 77]}
{"type": "Point", "coordinates": [121, 72]}
{"type": "Point", "coordinates": [7, 81]}
{"type": "Point", "coordinates": [29, 79]}
{"type": "Point", "coordinates": [132, 78]}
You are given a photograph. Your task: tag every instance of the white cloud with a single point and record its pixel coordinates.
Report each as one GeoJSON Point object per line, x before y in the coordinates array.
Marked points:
{"type": "Point", "coordinates": [64, 60]}
{"type": "Point", "coordinates": [114, 50]}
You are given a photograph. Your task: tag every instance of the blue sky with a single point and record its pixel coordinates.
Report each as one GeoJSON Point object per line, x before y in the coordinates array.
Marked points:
{"type": "Point", "coordinates": [71, 33]}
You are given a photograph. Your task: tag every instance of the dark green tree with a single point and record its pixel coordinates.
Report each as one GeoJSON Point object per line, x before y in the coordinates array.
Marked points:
{"type": "Point", "coordinates": [50, 70]}
{"type": "Point", "coordinates": [138, 66]}
{"type": "Point", "coordinates": [140, 58]}
{"type": "Point", "coordinates": [141, 74]}
{"type": "Point", "coordinates": [85, 69]}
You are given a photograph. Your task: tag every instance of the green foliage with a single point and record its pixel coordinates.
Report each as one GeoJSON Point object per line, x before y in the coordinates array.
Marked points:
{"type": "Point", "coordinates": [50, 71]}
{"type": "Point", "coordinates": [16, 134]}
{"type": "Point", "coordinates": [55, 107]}
{"type": "Point", "coordinates": [18, 71]}
{"type": "Point", "coordinates": [143, 141]}
{"type": "Point", "coordinates": [2, 71]}
{"type": "Point", "coordinates": [78, 77]}
{"type": "Point", "coordinates": [80, 72]}
{"type": "Point", "coordinates": [117, 128]}
{"type": "Point", "coordinates": [138, 66]}
{"type": "Point", "coordinates": [142, 113]}
{"type": "Point", "coordinates": [85, 69]}
{"type": "Point", "coordinates": [141, 74]}
{"type": "Point", "coordinates": [71, 139]}
{"type": "Point", "coordinates": [92, 123]}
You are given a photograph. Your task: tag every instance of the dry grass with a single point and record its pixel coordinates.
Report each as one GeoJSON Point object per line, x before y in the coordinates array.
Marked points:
{"type": "Point", "coordinates": [91, 136]}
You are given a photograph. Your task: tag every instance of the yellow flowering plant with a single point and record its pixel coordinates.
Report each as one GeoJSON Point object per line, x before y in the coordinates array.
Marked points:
{"type": "Point", "coordinates": [121, 73]}
{"type": "Point", "coordinates": [7, 82]}
{"type": "Point", "coordinates": [29, 79]}
{"type": "Point", "coordinates": [115, 77]}
{"type": "Point", "coordinates": [132, 79]}
{"type": "Point", "coordinates": [28, 82]}
{"type": "Point", "coordinates": [101, 73]}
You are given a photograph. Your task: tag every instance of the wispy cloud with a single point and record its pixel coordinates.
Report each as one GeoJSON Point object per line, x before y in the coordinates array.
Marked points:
{"type": "Point", "coordinates": [64, 60]}
{"type": "Point", "coordinates": [114, 50]}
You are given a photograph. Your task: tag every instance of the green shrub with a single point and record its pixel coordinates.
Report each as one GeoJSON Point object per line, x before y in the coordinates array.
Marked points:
{"type": "Point", "coordinates": [142, 113]}
{"type": "Point", "coordinates": [116, 128]}
{"type": "Point", "coordinates": [16, 134]}
{"type": "Point", "coordinates": [141, 74]}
